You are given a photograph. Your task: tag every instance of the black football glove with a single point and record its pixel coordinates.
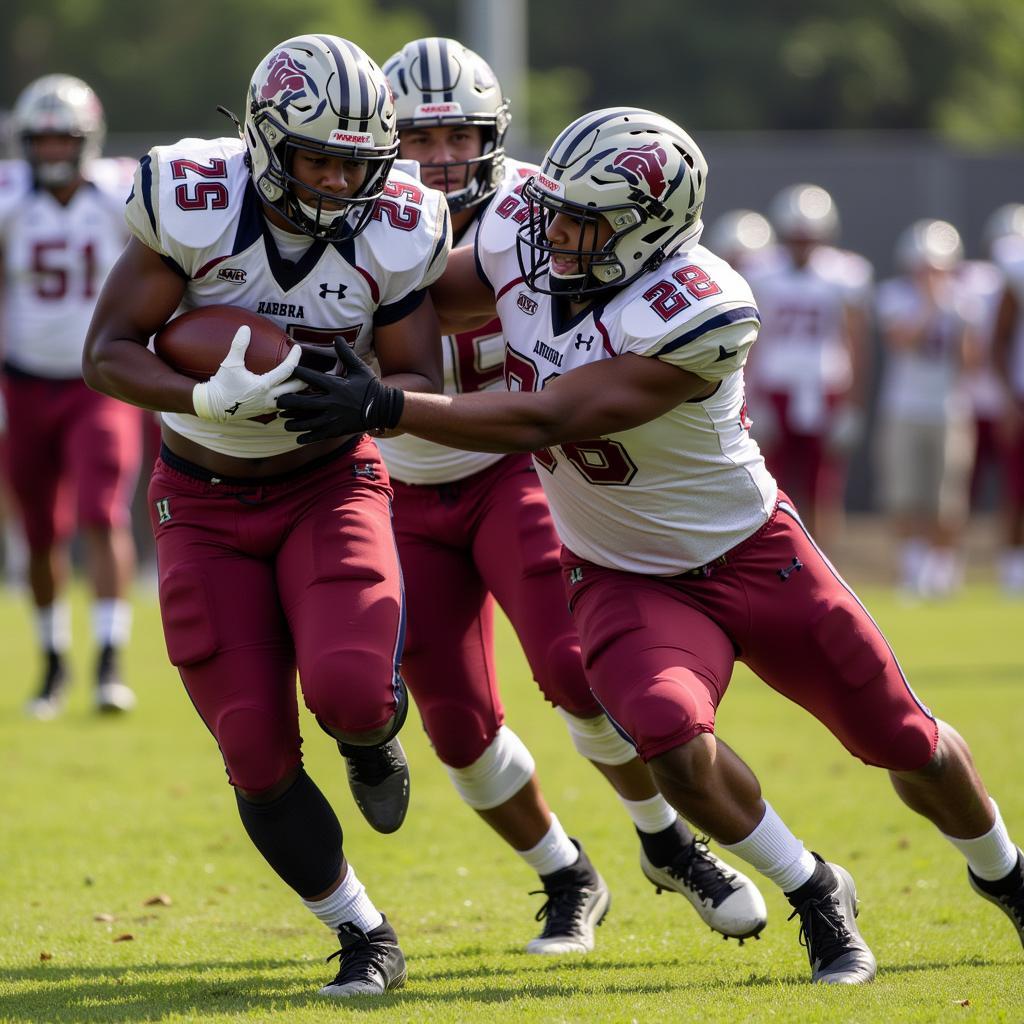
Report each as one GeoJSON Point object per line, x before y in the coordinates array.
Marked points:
{"type": "Point", "coordinates": [345, 405]}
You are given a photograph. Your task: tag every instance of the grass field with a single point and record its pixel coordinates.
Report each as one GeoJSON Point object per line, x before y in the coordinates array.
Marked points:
{"type": "Point", "coordinates": [100, 816]}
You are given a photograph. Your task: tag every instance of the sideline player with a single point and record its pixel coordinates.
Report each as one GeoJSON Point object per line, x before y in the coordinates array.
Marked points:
{"type": "Point", "coordinates": [72, 455]}
{"type": "Point", "coordinates": [925, 433]}
{"type": "Point", "coordinates": [475, 528]}
{"type": "Point", "coordinates": [681, 554]}
{"type": "Point", "coordinates": [272, 556]}
{"type": "Point", "coordinates": [808, 374]}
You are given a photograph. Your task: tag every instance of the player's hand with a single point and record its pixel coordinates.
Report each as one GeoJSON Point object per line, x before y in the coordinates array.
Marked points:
{"type": "Point", "coordinates": [235, 393]}
{"type": "Point", "coordinates": [341, 405]}
{"type": "Point", "coordinates": [846, 430]}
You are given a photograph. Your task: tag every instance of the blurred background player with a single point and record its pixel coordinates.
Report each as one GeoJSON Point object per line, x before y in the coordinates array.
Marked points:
{"type": "Point", "coordinates": [1008, 360]}
{"type": "Point", "coordinates": [276, 560]}
{"type": "Point", "coordinates": [744, 239]}
{"type": "Point", "coordinates": [807, 375]}
{"type": "Point", "coordinates": [473, 528]}
{"type": "Point", "coordinates": [925, 437]}
{"type": "Point", "coordinates": [73, 455]}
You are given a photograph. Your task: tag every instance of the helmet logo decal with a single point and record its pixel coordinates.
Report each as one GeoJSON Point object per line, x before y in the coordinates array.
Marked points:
{"type": "Point", "coordinates": [642, 166]}
{"type": "Point", "coordinates": [286, 75]}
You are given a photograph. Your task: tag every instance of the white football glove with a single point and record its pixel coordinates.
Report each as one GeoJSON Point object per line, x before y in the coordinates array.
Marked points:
{"type": "Point", "coordinates": [235, 393]}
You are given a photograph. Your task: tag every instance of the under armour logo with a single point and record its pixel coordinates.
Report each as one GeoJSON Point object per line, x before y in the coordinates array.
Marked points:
{"type": "Point", "coordinates": [576, 575]}
{"type": "Point", "coordinates": [796, 566]}
{"type": "Point", "coordinates": [339, 291]}
{"type": "Point", "coordinates": [580, 342]}
{"type": "Point", "coordinates": [232, 409]}
{"type": "Point", "coordinates": [163, 510]}
{"type": "Point", "coordinates": [365, 469]}
{"type": "Point", "coordinates": [723, 354]}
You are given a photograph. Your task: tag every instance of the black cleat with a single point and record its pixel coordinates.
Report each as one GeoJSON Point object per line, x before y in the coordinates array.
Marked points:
{"type": "Point", "coordinates": [577, 901]}
{"type": "Point", "coordinates": [370, 962]}
{"type": "Point", "coordinates": [50, 700]}
{"type": "Point", "coordinates": [726, 900]}
{"type": "Point", "coordinates": [835, 947]}
{"type": "Point", "coordinates": [379, 780]}
{"type": "Point", "coordinates": [113, 695]}
{"type": "Point", "coordinates": [1006, 893]}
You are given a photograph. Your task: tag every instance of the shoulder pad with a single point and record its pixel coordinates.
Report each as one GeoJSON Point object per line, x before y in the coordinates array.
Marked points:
{"type": "Point", "coordinates": [504, 214]}
{"type": "Point", "coordinates": [15, 183]}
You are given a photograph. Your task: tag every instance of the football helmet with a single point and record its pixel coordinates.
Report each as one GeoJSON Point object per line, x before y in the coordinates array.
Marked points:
{"type": "Point", "coordinates": [804, 213]}
{"type": "Point", "coordinates": [319, 93]}
{"type": "Point", "coordinates": [929, 245]}
{"type": "Point", "coordinates": [631, 169]}
{"type": "Point", "coordinates": [739, 233]}
{"type": "Point", "coordinates": [439, 82]}
{"type": "Point", "coordinates": [59, 105]}
{"type": "Point", "coordinates": [1006, 220]}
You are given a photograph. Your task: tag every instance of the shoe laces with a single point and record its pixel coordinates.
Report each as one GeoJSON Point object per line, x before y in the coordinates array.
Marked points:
{"type": "Point", "coordinates": [359, 959]}
{"type": "Point", "coordinates": [371, 765]}
{"type": "Point", "coordinates": [697, 870]}
{"type": "Point", "coordinates": [562, 910]}
{"type": "Point", "coordinates": [823, 931]}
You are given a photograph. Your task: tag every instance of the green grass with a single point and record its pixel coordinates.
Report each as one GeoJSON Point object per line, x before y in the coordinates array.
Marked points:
{"type": "Point", "coordinates": [97, 816]}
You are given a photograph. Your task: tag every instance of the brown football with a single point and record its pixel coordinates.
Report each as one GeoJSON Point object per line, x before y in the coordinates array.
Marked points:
{"type": "Point", "coordinates": [196, 342]}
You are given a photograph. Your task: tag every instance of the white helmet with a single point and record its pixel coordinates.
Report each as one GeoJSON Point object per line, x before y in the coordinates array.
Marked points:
{"type": "Point", "coordinates": [638, 171]}
{"type": "Point", "coordinates": [439, 82]}
{"type": "Point", "coordinates": [739, 233]}
{"type": "Point", "coordinates": [929, 244]}
{"type": "Point", "coordinates": [804, 212]}
{"type": "Point", "coordinates": [1006, 220]}
{"type": "Point", "coordinates": [321, 93]}
{"type": "Point", "coordinates": [59, 105]}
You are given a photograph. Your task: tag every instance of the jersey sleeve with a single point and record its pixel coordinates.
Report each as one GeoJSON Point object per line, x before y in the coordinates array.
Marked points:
{"type": "Point", "coordinates": [696, 313]}
{"type": "Point", "coordinates": [410, 239]}
{"type": "Point", "coordinates": [495, 242]}
{"type": "Point", "coordinates": [140, 212]}
{"type": "Point", "coordinates": [15, 182]}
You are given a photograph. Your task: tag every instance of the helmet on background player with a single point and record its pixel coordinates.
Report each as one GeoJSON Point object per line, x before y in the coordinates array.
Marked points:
{"type": "Point", "coordinates": [633, 169]}
{"type": "Point", "coordinates": [738, 234]}
{"type": "Point", "coordinates": [59, 105]}
{"type": "Point", "coordinates": [1006, 220]}
{"type": "Point", "coordinates": [804, 213]}
{"type": "Point", "coordinates": [438, 82]}
{"type": "Point", "coordinates": [319, 93]}
{"type": "Point", "coordinates": [929, 245]}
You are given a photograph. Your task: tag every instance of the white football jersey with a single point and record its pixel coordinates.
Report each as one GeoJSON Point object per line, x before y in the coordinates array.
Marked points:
{"type": "Point", "coordinates": [671, 494]}
{"type": "Point", "coordinates": [983, 282]}
{"type": "Point", "coordinates": [56, 258]}
{"type": "Point", "coordinates": [1009, 255]}
{"type": "Point", "coordinates": [924, 385]}
{"type": "Point", "coordinates": [194, 203]}
{"type": "Point", "coordinates": [801, 350]}
{"type": "Point", "coordinates": [473, 361]}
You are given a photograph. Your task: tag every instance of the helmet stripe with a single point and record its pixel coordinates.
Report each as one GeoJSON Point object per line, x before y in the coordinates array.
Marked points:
{"type": "Point", "coordinates": [424, 70]}
{"type": "Point", "coordinates": [562, 157]}
{"type": "Point", "coordinates": [446, 82]}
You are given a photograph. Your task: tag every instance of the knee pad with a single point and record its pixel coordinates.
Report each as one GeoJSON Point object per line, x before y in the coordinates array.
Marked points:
{"type": "Point", "coordinates": [497, 774]}
{"type": "Point", "coordinates": [597, 739]}
{"type": "Point", "coordinates": [298, 834]}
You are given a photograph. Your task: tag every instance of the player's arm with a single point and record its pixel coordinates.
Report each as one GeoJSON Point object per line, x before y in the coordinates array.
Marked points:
{"type": "Point", "coordinates": [463, 300]}
{"type": "Point", "coordinates": [139, 295]}
{"type": "Point", "coordinates": [591, 401]}
{"type": "Point", "coordinates": [409, 350]}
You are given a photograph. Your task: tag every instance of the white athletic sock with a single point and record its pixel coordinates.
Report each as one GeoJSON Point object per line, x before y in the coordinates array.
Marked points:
{"type": "Point", "coordinates": [53, 624]}
{"type": "Point", "coordinates": [912, 556]}
{"type": "Point", "coordinates": [348, 902]}
{"type": "Point", "coordinates": [554, 852]}
{"type": "Point", "coordinates": [652, 815]}
{"type": "Point", "coordinates": [775, 852]}
{"type": "Point", "coordinates": [991, 856]}
{"type": "Point", "coordinates": [111, 622]}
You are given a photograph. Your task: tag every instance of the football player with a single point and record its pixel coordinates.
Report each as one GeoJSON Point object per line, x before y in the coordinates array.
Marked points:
{"type": "Point", "coordinates": [73, 455]}
{"type": "Point", "coordinates": [807, 376]}
{"type": "Point", "coordinates": [681, 555]}
{"type": "Point", "coordinates": [274, 556]}
{"type": "Point", "coordinates": [1008, 358]}
{"type": "Point", "coordinates": [925, 431]}
{"type": "Point", "coordinates": [474, 528]}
